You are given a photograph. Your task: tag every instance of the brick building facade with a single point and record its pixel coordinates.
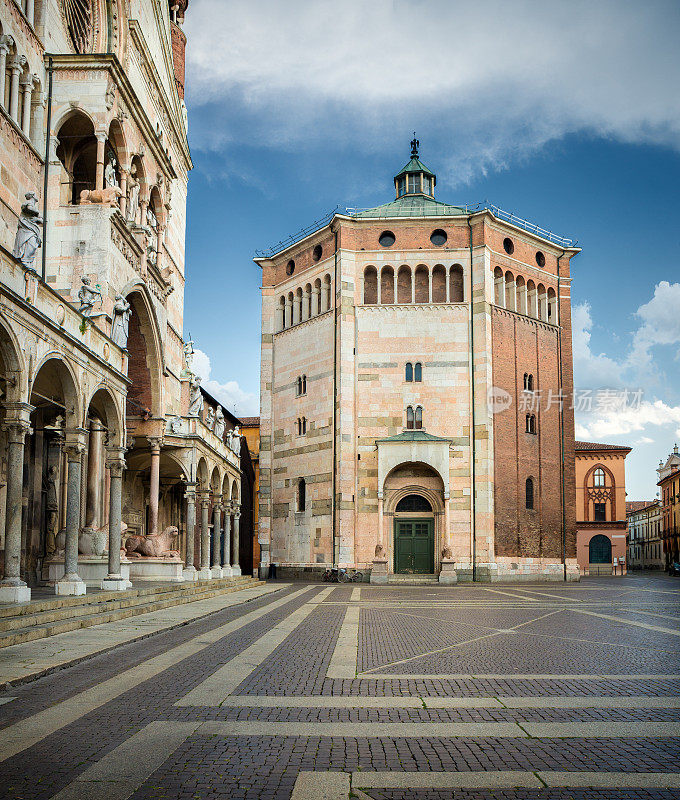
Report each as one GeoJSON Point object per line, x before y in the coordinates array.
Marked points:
{"type": "Point", "coordinates": [413, 355]}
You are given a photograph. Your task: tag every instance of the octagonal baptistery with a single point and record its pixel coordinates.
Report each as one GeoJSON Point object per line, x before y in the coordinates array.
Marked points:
{"type": "Point", "coordinates": [372, 328]}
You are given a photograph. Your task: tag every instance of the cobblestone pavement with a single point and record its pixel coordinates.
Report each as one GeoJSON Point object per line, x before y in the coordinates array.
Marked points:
{"type": "Point", "coordinates": [532, 692]}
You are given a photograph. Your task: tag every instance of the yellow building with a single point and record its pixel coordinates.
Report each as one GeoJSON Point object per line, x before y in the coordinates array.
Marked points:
{"type": "Point", "coordinates": [669, 482]}
{"type": "Point", "coordinates": [600, 506]}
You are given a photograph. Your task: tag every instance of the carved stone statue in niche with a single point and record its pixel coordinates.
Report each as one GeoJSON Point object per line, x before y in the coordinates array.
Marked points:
{"type": "Point", "coordinates": [52, 509]}
{"type": "Point", "coordinates": [219, 423]}
{"type": "Point", "coordinates": [195, 397]}
{"type": "Point", "coordinates": [110, 176]}
{"type": "Point", "coordinates": [210, 418]}
{"type": "Point", "coordinates": [120, 326]}
{"type": "Point", "coordinates": [133, 194]}
{"type": "Point", "coordinates": [88, 296]}
{"type": "Point", "coordinates": [28, 238]}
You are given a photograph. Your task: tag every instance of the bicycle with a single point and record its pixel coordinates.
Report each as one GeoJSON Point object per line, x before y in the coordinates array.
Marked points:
{"type": "Point", "coordinates": [355, 577]}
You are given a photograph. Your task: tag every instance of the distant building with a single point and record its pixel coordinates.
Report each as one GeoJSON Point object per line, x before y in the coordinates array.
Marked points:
{"type": "Point", "coordinates": [250, 428]}
{"type": "Point", "coordinates": [669, 482]}
{"type": "Point", "coordinates": [644, 540]}
{"type": "Point", "coordinates": [405, 349]}
{"type": "Point", "coordinates": [600, 506]}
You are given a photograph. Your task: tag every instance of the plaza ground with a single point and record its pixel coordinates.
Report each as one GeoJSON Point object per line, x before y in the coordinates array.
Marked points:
{"type": "Point", "coordinates": [314, 691]}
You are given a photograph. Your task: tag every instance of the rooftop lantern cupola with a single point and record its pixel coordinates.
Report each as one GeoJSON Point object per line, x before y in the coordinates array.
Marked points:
{"type": "Point", "coordinates": [415, 178]}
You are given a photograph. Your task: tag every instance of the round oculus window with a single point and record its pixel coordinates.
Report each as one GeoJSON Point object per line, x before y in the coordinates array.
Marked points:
{"type": "Point", "coordinates": [290, 267]}
{"type": "Point", "coordinates": [317, 252]}
{"type": "Point", "coordinates": [438, 238]}
{"type": "Point", "coordinates": [540, 259]}
{"type": "Point", "coordinates": [387, 239]}
{"type": "Point", "coordinates": [508, 246]}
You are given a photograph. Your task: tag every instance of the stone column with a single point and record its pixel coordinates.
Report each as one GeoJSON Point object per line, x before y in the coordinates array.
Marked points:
{"type": "Point", "coordinates": [216, 571]}
{"type": "Point", "coordinates": [160, 237]}
{"type": "Point", "coordinates": [27, 83]}
{"type": "Point", "coordinates": [72, 583]}
{"type": "Point", "coordinates": [226, 544]}
{"type": "Point", "coordinates": [15, 67]}
{"type": "Point", "coordinates": [288, 316]}
{"type": "Point", "coordinates": [189, 572]}
{"type": "Point", "coordinates": [30, 11]}
{"type": "Point", "coordinates": [124, 174]}
{"type": "Point", "coordinates": [12, 588]}
{"type": "Point", "coordinates": [448, 572]}
{"type": "Point", "coordinates": [143, 205]}
{"type": "Point", "coordinates": [379, 570]}
{"type": "Point", "coordinates": [205, 573]}
{"type": "Point", "coordinates": [4, 51]}
{"type": "Point", "coordinates": [116, 464]}
{"type": "Point", "coordinates": [93, 501]}
{"type": "Point", "coordinates": [235, 566]}
{"type": "Point", "coordinates": [101, 147]}
{"type": "Point", "coordinates": [316, 301]}
{"type": "Point", "coordinates": [154, 483]}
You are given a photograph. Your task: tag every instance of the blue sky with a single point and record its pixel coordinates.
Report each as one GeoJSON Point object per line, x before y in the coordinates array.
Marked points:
{"type": "Point", "coordinates": [566, 114]}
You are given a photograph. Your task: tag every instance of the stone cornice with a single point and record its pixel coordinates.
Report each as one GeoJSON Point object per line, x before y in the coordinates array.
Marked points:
{"type": "Point", "coordinates": [108, 62]}
{"type": "Point", "coordinates": [175, 121]}
{"type": "Point", "coordinates": [24, 24]}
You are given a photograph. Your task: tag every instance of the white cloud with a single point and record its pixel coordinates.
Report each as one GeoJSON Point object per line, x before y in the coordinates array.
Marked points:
{"type": "Point", "coordinates": [240, 403]}
{"type": "Point", "coordinates": [497, 80]}
{"type": "Point", "coordinates": [590, 369]}
{"type": "Point", "coordinates": [660, 323]}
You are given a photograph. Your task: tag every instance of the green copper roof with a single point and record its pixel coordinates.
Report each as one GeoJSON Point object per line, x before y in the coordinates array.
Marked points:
{"type": "Point", "coordinates": [411, 206]}
{"type": "Point", "coordinates": [413, 436]}
{"type": "Point", "coordinates": [415, 165]}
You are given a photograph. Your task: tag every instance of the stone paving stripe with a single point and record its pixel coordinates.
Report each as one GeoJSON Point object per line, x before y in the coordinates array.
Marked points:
{"type": "Point", "coordinates": [361, 701]}
{"type": "Point", "coordinates": [482, 676]}
{"type": "Point", "coordinates": [550, 594]}
{"type": "Point", "coordinates": [605, 780]}
{"type": "Point", "coordinates": [321, 786]}
{"type": "Point", "coordinates": [501, 779]}
{"type": "Point", "coordinates": [344, 659]}
{"type": "Point", "coordinates": [360, 730]}
{"type": "Point", "coordinates": [121, 772]}
{"type": "Point", "coordinates": [25, 662]}
{"type": "Point", "coordinates": [356, 594]}
{"type": "Point", "coordinates": [658, 628]}
{"type": "Point", "coordinates": [560, 701]}
{"type": "Point", "coordinates": [512, 594]}
{"type": "Point", "coordinates": [33, 729]}
{"type": "Point", "coordinates": [601, 729]}
{"type": "Point", "coordinates": [214, 689]}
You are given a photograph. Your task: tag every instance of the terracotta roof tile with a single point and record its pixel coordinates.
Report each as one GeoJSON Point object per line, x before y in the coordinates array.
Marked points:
{"type": "Point", "coordinates": [597, 446]}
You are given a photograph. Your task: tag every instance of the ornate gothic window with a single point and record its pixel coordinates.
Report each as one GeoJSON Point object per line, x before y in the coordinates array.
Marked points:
{"type": "Point", "coordinates": [78, 16]}
{"type": "Point", "coordinates": [598, 477]}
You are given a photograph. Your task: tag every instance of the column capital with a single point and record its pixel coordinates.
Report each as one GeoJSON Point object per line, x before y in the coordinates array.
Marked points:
{"type": "Point", "coordinates": [237, 516]}
{"type": "Point", "coordinates": [155, 442]}
{"type": "Point", "coordinates": [217, 499]}
{"type": "Point", "coordinates": [74, 443]}
{"type": "Point", "coordinates": [17, 63]}
{"type": "Point", "coordinates": [115, 461]}
{"type": "Point", "coordinates": [101, 135]}
{"type": "Point", "coordinates": [6, 43]}
{"type": "Point", "coordinates": [17, 430]}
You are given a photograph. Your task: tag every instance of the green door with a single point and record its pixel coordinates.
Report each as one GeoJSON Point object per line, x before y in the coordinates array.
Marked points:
{"type": "Point", "coordinates": [414, 546]}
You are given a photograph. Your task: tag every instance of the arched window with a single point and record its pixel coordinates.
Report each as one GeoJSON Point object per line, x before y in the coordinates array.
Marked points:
{"type": "Point", "coordinates": [370, 286]}
{"type": "Point", "coordinates": [456, 293]}
{"type": "Point", "coordinates": [439, 284]}
{"type": "Point", "coordinates": [528, 382]}
{"type": "Point", "coordinates": [499, 287]}
{"type": "Point", "coordinates": [529, 494]}
{"type": "Point", "coordinates": [304, 425]}
{"type": "Point", "coordinates": [418, 372]}
{"type": "Point", "coordinates": [304, 384]}
{"type": "Point", "coordinates": [282, 313]}
{"type": "Point", "coordinates": [301, 494]}
{"type": "Point", "coordinates": [409, 372]}
{"type": "Point", "coordinates": [531, 423]}
{"type": "Point", "coordinates": [414, 502]}
{"type": "Point", "coordinates": [422, 284]}
{"type": "Point", "coordinates": [599, 478]}
{"type": "Point", "coordinates": [298, 386]}
{"type": "Point", "coordinates": [410, 418]}
{"type": "Point", "coordinates": [387, 286]}
{"type": "Point", "coordinates": [404, 287]}
{"type": "Point", "coordinates": [419, 418]}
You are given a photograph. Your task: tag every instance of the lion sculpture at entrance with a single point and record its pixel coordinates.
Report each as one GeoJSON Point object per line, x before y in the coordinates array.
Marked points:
{"type": "Point", "coordinates": [155, 545]}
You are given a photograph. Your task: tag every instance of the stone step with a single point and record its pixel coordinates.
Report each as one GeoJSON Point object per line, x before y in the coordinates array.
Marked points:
{"type": "Point", "coordinates": [49, 603]}
{"type": "Point", "coordinates": [39, 626]}
{"type": "Point", "coordinates": [412, 580]}
{"type": "Point", "coordinates": [99, 601]}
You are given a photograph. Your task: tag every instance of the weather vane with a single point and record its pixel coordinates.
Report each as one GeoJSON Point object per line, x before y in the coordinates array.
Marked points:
{"type": "Point", "coordinates": [415, 144]}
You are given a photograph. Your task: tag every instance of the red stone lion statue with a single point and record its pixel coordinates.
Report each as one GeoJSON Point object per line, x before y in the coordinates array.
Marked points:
{"type": "Point", "coordinates": [155, 545]}
{"type": "Point", "coordinates": [105, 197]}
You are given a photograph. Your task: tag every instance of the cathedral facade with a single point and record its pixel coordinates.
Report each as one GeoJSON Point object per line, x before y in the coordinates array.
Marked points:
{"type": "Point", "coordinates": [416, 413]}
{"type": "Point", "coordinates": [107, 434]}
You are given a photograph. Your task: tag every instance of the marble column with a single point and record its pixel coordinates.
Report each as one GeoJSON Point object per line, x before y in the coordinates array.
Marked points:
{"type": "Point", "coordinates": [154, 482]}
{"type": "Point", "coordinates": [216, 570]}
{"type": "Point", "coordinates": [226, 543]}
{"type": "Point", "coordinates": [30, 11]}
{"type": "Point", "coordinates": [379, 570]}
{"type": "Point", "coordinates": [15, 68]}
{"type": "Point", "coordinates": [124, 174]}
{"type": "Point", "coordinates": [143, 205]}
{"type": "Point", "coordinates": [205, 574]}
{"type": "Point", "coordinates": [4, 51]}
{"type": "Point", "coordinates": [235, 566]}
{"type": "Point", "coordinates": [12, 588]}
{"type": "Point", "coordinates": [101, 147]}
{"type": "Point", "coordinates": [93, 500]}
{"type": "Point", "coordinates": [72, 583]}
{"type": "Point", "coordinates": [160, 238]}
{"type": "Point", "coordinates": [116, 465]}
{"type": "Point", "coordinates": [189, 572]}
{"type": "Point", "coordinates": [448, 573]}
{"type": "Point", "coordinates": [27, 83]}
